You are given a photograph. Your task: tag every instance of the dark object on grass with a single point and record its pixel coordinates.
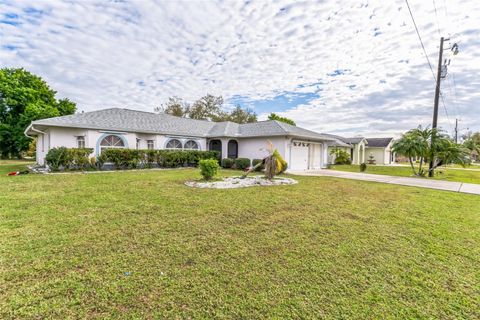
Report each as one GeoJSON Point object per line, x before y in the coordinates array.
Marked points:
{"type": "Point", "coordinates": [17, 173]}
{"type": "Point", "coordinates": [363, 167]}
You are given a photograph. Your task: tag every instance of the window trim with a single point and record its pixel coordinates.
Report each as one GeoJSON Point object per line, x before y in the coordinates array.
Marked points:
{"type": "Point", "coordinates": [81, 139]}
{"type": "Point", "coordinates": [153, 144]}
{"type": "Point", "coordinates": [99, 148]}
{"type": "Point", "coordinates": [172, 139]}
{"type": "Point", "coordinates": [194, 141]}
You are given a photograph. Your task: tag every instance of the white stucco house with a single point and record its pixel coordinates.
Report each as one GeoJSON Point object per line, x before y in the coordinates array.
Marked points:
{"type": "Point", "coordinates": [124, 128]}
{"type": "Point", "coordinates": [361, 149]}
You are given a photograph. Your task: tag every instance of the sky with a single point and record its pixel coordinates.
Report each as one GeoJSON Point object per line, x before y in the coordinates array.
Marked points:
{"type": "Point", "coordinates": [347, 67]}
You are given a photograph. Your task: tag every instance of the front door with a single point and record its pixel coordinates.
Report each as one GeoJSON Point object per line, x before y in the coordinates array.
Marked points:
{"type": "Point", "coordinates": [216, 145]}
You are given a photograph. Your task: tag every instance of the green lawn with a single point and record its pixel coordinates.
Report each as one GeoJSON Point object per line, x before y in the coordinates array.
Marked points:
{"type": "Point", "coordinates": [143, 245]}
{"type": "Point", "coordinates": [442, 173]}
{"type": "Point", "coordinates": [7, 166]}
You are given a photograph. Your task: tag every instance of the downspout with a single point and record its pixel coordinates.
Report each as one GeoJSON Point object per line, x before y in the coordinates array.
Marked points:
{"type": "Point", "coordinates": [31, 127]}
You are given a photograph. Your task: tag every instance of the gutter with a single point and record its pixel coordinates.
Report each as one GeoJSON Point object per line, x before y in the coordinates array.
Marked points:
{"type": "Point", "coordinates": [30, 127]}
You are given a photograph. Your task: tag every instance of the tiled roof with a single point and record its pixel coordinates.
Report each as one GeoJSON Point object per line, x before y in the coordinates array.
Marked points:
{"type": "Point", "coordinates": [118, 119]}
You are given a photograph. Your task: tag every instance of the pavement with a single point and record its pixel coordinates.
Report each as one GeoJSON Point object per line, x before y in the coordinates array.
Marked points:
{"type": "Point", "coordinates": [404, 181]}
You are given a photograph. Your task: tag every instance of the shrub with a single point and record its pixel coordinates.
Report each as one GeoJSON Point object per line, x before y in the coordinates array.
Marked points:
{"type": "Point", "coordinates": [79, 158]}
{"type": "Point", "coordinates": [208, 168]}
{"type": "Point", "coordinates": [257, 161]}
{"type": "Point", "coordinates": [56, 158]}
{"type": "Point", "coordinates": [68, 158]}
{"type": "Point", "coordinates": [363, 167]}
{"type": "Point", "coordinates": [227, 163]}
{"type": "Point", "coordinates": [341, 156]}
{"type": "Point", "coordinates": [131, 158]}
{"type": "Point", "coordinates": [242, 163]}
{"type": "Point", "coordinates": [125, 158]}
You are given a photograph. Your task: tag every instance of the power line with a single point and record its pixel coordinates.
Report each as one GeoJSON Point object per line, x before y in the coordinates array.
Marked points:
{"type": "Point", "coordinates": [428, 59]}
{"type": "Point", "coordinates": [421, 42]}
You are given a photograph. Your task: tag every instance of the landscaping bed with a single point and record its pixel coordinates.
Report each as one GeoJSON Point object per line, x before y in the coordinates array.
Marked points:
{"type": "Point", "coordinates": [239, 182]}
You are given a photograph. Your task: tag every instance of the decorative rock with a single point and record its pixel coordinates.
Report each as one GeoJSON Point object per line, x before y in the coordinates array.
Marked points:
{"type": "Point", "coordinates": [237, 182]}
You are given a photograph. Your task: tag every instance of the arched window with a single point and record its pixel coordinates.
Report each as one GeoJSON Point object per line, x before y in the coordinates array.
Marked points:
{"type": "Point", "coordinates": [191, 145]}
{"type": "Point", "coordinates": [174, 144]}
{"type": "Point", "coordinates": [111, 141]}
{"type": "Point", "coordinates": [232, 149]}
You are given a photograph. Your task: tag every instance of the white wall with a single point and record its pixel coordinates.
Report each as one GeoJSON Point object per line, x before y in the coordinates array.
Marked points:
{"type": "Point", "coordinates": [378, 154]}
{"type": "Point", "coordinates": [256, 148]}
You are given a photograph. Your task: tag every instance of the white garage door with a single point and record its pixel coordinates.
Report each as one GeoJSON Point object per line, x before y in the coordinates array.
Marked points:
{"type": "Point", "coordinates": [299, 156]}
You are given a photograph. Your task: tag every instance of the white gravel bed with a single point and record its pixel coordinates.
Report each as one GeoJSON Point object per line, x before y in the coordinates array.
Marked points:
{"type": "Point", "coordinates": [237, 182]}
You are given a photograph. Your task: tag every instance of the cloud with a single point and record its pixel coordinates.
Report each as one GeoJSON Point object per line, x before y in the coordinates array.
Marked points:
{"type": "Point", "coordinates": [354, 68]}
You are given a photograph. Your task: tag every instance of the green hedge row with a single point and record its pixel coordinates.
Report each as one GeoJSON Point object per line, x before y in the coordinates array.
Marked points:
{"type": "Point", "coordinates": [131, 158]}
{"type": "Point", "coordinates": [70, 159]}
{"type": "Point", "coordinates": [238, 163]}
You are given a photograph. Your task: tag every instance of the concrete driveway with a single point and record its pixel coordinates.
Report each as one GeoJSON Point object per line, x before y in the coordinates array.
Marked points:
{"type": "Point", "coordinates": [404, 181]}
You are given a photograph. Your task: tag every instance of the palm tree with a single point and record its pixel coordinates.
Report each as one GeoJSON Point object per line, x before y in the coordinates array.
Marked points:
{"type": "Point", "coordinates": [428, 144]}
{"type": "Point", "coordinates": [414, 144]}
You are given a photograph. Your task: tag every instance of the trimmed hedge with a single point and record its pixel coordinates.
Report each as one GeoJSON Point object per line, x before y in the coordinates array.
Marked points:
{"type": "Point", "coordinates": [242, 163]}
{"type": "Point", "coordinates": [228, 163]}
{"type": "Point", "coordinates": [68, 158]}
{"type": "Point", "coordinates": [131, 158]}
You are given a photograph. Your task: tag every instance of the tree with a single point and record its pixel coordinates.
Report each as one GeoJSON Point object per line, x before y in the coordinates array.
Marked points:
{"type": "Point", "coordinates": [175, 106]}
{"type": "Point", "coordinates": [274, 116]}
{"type": "Point", "coordinates": [472, 143]}
{"type": "Point", "coordinates": [417, 143]}
{"type": "Point", "coordinates": [25, 97]}
{"type": "Point", "coordinates": [208, 107]}
{"type": "Point", "coordinates": [240, 115]}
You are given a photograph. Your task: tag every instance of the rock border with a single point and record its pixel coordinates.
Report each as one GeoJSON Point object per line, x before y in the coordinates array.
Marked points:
{"type": "Point", "coordinates": [237, 182]}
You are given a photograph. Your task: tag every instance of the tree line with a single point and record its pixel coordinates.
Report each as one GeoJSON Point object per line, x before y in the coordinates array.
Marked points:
{"type": "Point", "coordinates": [211, 108]}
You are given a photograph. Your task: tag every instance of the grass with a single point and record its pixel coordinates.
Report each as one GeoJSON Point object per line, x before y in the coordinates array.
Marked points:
{"type": "Point", "coordinates": [7, 166]}
{"type": "Point", "coordinates": [143, 245]}
{"type": "Point", "coordinates": [442, 173]}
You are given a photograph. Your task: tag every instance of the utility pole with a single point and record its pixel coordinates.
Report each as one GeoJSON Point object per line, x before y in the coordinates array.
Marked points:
{"type": "Point", "coordinates": [456, 130]}
{"type": "Point", "coordinates": [435, 106]}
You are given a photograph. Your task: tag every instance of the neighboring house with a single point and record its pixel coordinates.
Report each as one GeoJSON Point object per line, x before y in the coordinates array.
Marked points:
{"type": "Point", "coordinates": [123, 128]}
{"type": "Point", "coordinates": [360, 149]}
{"type": "Point", "coordinates": [380, 149]}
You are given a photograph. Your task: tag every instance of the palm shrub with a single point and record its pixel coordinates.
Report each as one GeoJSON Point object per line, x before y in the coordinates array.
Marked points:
{"type": "Point", "coordinates": [208, 168]}
{"type": "Point", "coordinates": [274, 164]}
{"type": "Point", "coordinates": [429, 145]}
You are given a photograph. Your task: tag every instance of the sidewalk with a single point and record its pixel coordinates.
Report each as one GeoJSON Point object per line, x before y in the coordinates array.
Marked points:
{"type": "Point", "coordinates": [404, 181]}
